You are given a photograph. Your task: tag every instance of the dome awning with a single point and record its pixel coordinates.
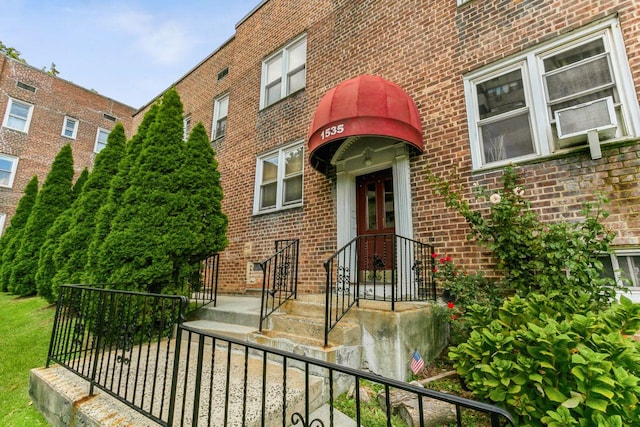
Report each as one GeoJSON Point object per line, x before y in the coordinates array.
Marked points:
{"type": "Point", "coordinates": [363, 106]}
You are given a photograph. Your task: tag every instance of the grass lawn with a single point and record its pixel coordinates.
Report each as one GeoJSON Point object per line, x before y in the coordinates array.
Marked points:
{"type": "Point", "coordinates": [25, 329]}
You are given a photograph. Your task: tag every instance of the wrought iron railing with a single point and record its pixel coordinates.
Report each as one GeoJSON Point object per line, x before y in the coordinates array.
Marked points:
{"type": "Point", "coordinates": [203, 289]}
{"type": "Point", "coordinates": [380, 267]}
{"type": "Point", "coordinates": [121, 342]}
{"type": "Point", "coordinates": [279, 277]}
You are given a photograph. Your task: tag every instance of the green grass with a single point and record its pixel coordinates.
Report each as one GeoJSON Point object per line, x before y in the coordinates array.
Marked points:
{"type": "Point", "coordinates": [25, 329]}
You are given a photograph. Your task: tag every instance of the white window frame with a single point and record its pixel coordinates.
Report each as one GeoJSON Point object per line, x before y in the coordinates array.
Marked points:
{"type": "Point", "coordinates": [631, 290]}
{"type": "Point", "coordinates": [186, 127]}
{"type": "Point", "coordinates": [219, 115]}
{"type": "Point", "coordinates": [27, 120]}
{"type": "Point", "coordinates": [12, 172]}
{"type": "Point", "coordinates": [98, 143]}
{"type": "Point", "coordinates": [280, 154]}
{"type": "Point", "coordinates": [3, 218]}
{"type": "Point", "coordinates": [541, 122]}
{"type": "Point", "coordinates": [66, 121]}
{"type": "Point", "coordinates": [284, 73]}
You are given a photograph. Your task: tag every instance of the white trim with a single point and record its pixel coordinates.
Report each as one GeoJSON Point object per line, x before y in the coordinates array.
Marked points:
{"type": "Point", "coordinates": [5, 122]}
{"type": "Point", "coordinates": [186, 127]}
{"type": "Point", "coordinates": [531, 64]}
{"type": "Point", "coordinates": [95, 146]}
{"type": "Point", "coordinates": [280, 154]}
{"type": "Point", "coordinates": [12, 172]}
{"type": "Point", "coordinates": [74, 134]}
{"type": "Point", "coordinates": [283, 53]}
{"type": "Point", "coordinates": [216, 115]}
{"type": "Point", "coordinates": [3, 217]}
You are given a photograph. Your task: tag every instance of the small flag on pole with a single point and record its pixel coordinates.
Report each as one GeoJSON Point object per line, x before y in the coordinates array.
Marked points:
{"type": "Point", "coordinates": [417, 363]}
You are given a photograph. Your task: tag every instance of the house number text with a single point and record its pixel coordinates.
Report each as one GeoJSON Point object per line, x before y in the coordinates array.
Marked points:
{"type": "Point", "coordinates": [332, 130]}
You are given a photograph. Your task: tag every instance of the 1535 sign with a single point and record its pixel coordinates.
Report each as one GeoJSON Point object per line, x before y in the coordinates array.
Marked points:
{"type": "Point", "coordinates": [332, 130]}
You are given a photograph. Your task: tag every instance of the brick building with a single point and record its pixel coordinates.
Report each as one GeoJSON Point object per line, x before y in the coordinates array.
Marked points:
{"type": "Point", "coordinates": [311, 100]}
{"type": "Point", "coordinates": [40, 114]}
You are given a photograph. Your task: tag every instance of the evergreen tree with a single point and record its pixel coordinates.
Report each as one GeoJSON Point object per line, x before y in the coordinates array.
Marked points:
{"type": "Point", "coordinates": [98, 267]}
{"type": "Point", "coordinates": [70, 255]}
{"type": "Point", "coordinates": [142, 230]}
{"type": "Point", "coordinates": [46, 267]}
{"type": "Point", "coordinates": [12, 235]}
{"type": "Point", "coordinates": [80, 182]}
{"type": "Point", "coordinates": [200, 225]}
{"type": "Point", "coordinates": [54, 198]}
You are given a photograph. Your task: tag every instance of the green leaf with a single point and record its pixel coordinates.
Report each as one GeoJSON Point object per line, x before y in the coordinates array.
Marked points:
{"type": "Point", "coordinates": [597, 404]}
{"type": "Point", "coordinates": [572, 402]}
{"type": "Point", "coordinates": [497, 394]}
{"type": "Point", "coordinates": [554, 394]}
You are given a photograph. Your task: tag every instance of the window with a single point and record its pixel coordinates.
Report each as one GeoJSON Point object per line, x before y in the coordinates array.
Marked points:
{"type": "Point", "coordinates": [223, 73]}
{"type": "Point", "coordinates": [8, 166]}
{"type": "Point", "coordinates": [279, 179]}
{"type": "Point", "coordinates": [220, 116]}
{"type": "Point", "coordinates": [3, 217]}
{"type": "Point", "coordinates": [101, 140]}
{"type": "Point", "coordinates": [70, 128]}
{"type": "Point", "coordinates": [513, 106]}
{"type": "Point", "coordinates": [624, 267]}
{"type": "Point", "coordinates": [18, 115]}
{"type": "Point", "coordinates": [284, 72]}
{"type": "Point", "coordinates": [186, 127]}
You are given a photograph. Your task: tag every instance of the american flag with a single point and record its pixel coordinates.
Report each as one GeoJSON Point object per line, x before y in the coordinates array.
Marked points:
{"type": "Point", "coordinates": [417, 363]}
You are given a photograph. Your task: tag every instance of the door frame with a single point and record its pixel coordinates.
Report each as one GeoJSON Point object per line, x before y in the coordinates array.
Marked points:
{"type": "Point", "coordinates": [395, 156]}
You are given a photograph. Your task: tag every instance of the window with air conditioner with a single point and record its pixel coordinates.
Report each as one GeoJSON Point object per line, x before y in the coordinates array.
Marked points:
{"type": "Point", "coordinates": [552, 97]}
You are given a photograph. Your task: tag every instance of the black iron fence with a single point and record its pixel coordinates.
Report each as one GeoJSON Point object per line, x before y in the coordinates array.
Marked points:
{"type": "Point", "coordinates": [121, 342]}
{"type": "Point", "coordinates": [203, 289]}
{"type": "Point", "coordinates": [280, 277]}
{"type": "Point", "coordinates": [134, 347]}
{"type": "Point", "coordinates": [380, 267]}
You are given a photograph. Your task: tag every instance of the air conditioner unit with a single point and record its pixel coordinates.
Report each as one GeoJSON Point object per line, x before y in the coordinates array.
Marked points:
{"type": "Point", "coordinates": [574, 123]}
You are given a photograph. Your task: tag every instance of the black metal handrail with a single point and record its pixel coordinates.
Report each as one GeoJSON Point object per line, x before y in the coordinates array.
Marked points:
{"type": "Point", "coordinates": [203, 289]}
{"type": "Point", "coordinates": [379, 267]}
{"type": "Point", "coordinates": [241, 383]}
{"type": "Point", "coordinates": [121, 342]}
{"type": "Point", "coordinates": [279, 277]}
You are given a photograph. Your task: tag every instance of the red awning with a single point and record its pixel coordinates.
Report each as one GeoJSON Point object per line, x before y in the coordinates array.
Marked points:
{"type": "Point", "coordinates": [363, 106]}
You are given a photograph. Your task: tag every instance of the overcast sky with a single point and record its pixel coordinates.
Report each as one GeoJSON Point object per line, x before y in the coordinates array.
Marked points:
{"type": "Point", "coordinates": [129, 50]}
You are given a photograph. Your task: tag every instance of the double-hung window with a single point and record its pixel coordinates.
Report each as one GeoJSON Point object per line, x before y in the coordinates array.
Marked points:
{"type": "Point", "coordinates": [8, 166]}
{"type": "Point", "coordinates": [70, 128]}
{"type": "Point", "coordinates": [552, 97]}
{"type": "Point", "coordinates": [186, 127]}
{"type": "Point", "coordinates": [18, 115]}
{"type": "Point", "coordinates": [284, 72]}
{"type": "Point", "coordinates": [279, 176]}
{"type": "Point", "coordinates": [101, 140]}
{"type": "Point", "coordinates": [220, 109]}
{"type": "Point", "coordinates": [624, 267]}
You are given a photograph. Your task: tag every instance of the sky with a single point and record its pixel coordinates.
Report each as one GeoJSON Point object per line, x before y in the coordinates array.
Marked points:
{"type": "Point", "coordinates": [130, 51]}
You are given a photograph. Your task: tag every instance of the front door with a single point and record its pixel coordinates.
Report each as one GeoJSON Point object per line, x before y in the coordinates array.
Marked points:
{"type": "Point", "coordinates": [376, 224]}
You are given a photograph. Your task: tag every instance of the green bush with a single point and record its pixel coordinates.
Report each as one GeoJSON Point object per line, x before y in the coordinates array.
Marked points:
{"type": "Point", "coordinates": [532, 255]}
{"type": "Point", "coordinates": [556, 361]}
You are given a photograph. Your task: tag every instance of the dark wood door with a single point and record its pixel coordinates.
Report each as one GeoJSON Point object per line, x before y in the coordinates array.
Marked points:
{"type": "Point", "coordinates": [375, 218]}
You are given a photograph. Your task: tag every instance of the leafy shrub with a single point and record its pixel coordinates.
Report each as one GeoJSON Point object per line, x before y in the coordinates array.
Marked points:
{"type": "Point", "coordinates": [556, 361]}
{"type": "Point", "coordinates": [532, 255]}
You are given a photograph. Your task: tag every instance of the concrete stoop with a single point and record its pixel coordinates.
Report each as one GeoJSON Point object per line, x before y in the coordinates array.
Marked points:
{"type": "Point", "coordinates": [63, 397]}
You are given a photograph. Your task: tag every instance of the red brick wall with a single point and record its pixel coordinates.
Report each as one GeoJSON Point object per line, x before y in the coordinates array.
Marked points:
{"type": "Point", "coordinates": [426, 47]}
{"type": "Point", "coordinates": [53, 99]}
